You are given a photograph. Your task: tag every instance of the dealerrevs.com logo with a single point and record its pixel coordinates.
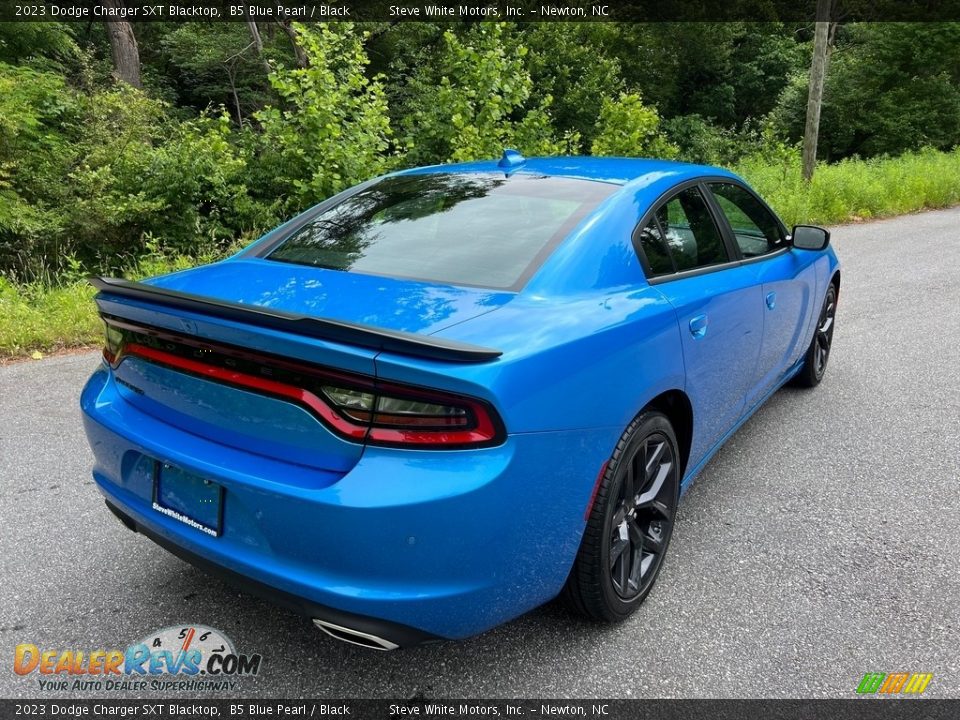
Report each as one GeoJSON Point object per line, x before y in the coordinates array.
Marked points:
{"type": "Point", "coordinates": [898, 683]}
{"type": "Point", "coordinates": [181, 657]}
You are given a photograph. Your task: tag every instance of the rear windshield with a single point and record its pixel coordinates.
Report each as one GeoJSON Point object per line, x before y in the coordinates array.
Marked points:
{"type": "Point", "coordinates": [483, 230]}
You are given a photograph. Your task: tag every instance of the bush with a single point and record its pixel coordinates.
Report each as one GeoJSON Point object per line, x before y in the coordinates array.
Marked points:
{"type": "Point", "coordinates": [627, 127]}
{"type": "Point", "coordinates": [855, 189]}
{"type": "Point", "coordinates": [140, 173]}
{"type": "Point", "coordinates": [38, 126]}
{"type": "Point", "coordinates": [333, 130]}
{"type": "Point", "coordinates": [474, 101]}
{"type": "Point", "coordinates": [98, 174]}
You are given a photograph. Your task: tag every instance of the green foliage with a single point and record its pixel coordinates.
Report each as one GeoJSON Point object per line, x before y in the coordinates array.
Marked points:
{"type": "Point", "coordinates": [53, 313]}
{"type": "Point", "coordinates": [217, 63]}
{"type": "Point", "coordinates": [572, 71]}
{"type": "Point", "coordinates": [40, 317]}
{"type": "Point", "coordinates": [92, 176]}
{"type": "Point", "coordinates": [333, 129]}
{"type": "Point", "coordinates": [139, 174]}
{"type": "Point", "coordinates": [890, 87]}
{"type": "Point", "coordinates": [627, 127]}
{"type": "Point", "coordinates": [216, 148]}
{"type": "Point", "coordinates": [475, 101]}
{"type": "Point", "coordinates": [725, 72]}
{"type": "Point", "coordinates": [38, 122]}
{"type": "Point", "coordinates": [47, 45]}
{"type": "Point", "coordinates": [699, 141]}
{"type": "Point", "coordinates": [854, 189]}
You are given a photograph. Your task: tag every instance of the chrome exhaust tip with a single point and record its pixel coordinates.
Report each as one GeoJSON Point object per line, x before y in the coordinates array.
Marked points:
{"type": "Point", "coordinates": [355, 637]}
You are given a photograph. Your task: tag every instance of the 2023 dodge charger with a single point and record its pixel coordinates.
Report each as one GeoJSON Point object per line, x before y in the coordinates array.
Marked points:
{"type": "Point", "coordinates": [447, 395]}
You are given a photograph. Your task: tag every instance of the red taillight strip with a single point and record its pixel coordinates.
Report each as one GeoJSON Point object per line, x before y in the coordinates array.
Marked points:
{"type": "Point", "coordinates": [486, 432]}
{"type": "Point", "coordinates": [232, 377]}
{"type": "Point", "coordinates": [235, 352]}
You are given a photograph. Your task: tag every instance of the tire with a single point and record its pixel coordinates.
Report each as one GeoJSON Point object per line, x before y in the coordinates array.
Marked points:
{"type": "Point", "coordinates": [815, 361]}
{"type": "Point", "coordinates": [624, 543]}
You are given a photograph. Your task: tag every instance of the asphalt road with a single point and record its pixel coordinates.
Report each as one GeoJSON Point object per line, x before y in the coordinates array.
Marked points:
{"type": "Point", "coordinates": [819, 544]}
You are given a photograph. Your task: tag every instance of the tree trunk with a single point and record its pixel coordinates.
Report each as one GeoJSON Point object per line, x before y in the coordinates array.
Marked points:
{"type": "Point", "coordinates": [123, 47]}
{"type": "Point", "coordinates": [818, 71]}
{"type": "Point", "coordinates": [258, 44]}
{"type": "Point", "coordinates": [302, 59]}
{"type": "Point", "coordinates": [257, 41]}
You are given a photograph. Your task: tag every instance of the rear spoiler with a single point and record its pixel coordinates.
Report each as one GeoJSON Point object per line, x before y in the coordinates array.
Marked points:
{"type": "Point", "coordinates": [367, 336]}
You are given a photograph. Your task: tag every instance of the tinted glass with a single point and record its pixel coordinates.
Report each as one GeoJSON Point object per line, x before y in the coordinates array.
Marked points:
{"type": "Point", "coordinates": [692, 236]}
{"type": "Point", "coordinates": [655, 249]}
{"type": "Point", "coordinates": [485, 230]}
{"type": "Point", "coordinates": [755, 228]}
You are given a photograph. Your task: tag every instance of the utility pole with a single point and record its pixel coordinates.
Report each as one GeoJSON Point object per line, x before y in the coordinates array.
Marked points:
{"type": "Point", "coordinates": [818, 71]}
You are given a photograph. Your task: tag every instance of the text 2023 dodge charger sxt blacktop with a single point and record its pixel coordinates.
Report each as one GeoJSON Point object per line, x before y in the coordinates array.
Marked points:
{"type": "Point", "coordinates": [447, 395]}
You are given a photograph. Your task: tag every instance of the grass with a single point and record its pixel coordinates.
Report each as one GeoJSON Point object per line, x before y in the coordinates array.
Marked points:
{"type": "Point", "coordinates": [854, 190]}
{"type": "Point", "coordinates": [39, 318]}
{"type": "Point", "coordinates": [45, 317]}
{"type": "Point", "coordinates": [49, 316]}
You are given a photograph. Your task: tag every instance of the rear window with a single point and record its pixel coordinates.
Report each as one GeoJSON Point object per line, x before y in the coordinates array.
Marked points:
{"type": "Point", "coordinates": [485, 230]}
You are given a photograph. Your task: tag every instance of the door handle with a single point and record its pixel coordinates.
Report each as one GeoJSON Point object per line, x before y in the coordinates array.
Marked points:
{"type": "Point", "coordinates": [771, 300]}
{"type": "Point", "coordinates": [698, 326]}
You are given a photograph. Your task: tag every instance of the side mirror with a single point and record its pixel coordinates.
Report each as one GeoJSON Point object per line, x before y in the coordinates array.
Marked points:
{"type": "Point", "coordinates": [809, 237]}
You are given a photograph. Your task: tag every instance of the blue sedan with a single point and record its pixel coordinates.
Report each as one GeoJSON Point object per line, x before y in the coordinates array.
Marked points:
{"type": "Point", "coordinates": [448, 395]}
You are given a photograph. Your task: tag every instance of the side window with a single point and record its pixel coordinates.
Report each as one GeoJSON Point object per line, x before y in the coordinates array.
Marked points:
{"type": "Point", "coordinates": [655, 248]}
{"type": "Point", "coordinates": [756, 230]}
{"type": "Point", "coordinates": [690, 232]}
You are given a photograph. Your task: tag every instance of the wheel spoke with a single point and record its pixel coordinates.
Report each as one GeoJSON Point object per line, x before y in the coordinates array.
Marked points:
{"type": "Point", "coordinates": [624, 573]}
{"type": "Point", "coordinates": [651, 494]}
{"type": "Point", "coordinates": [636, 534]}
{"type": "Point", "coordinates": [645, 563]}
{"type": "Point", "coordinates": [827, 324]}
{"type": "Point", "coordinates": [629, 484]}
{"type": "Point", "coordinates": [616, 552]}
{"type": "Point", "coordinates": [636, 570]}
{"type": "Point", "coordinates": [653, 459]}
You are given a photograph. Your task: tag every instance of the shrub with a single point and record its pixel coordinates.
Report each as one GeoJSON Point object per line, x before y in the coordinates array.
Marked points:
{"type": "Point", "coordinates": [333, 129]}
{"type": "Point", "coordinates": [474, 101]}
{"type": "Point", "coordinates": [856, 189]}
{"type": "Point", "coordinates": [627, 127]}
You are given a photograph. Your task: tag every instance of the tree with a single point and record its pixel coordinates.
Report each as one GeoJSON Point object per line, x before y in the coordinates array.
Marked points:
{"type": "Point", "coordinates": [818, 71]}
{"type": "Point", "coordinates": [333, 128]}
{"type": "Point", "coordinates": [257, 41]}
{"type": "Point", "coordinates": [628, 127]}
{"type": "Point", "coordinates": [303, 60]}
{"type": "Point", "coordinates": [474, 100]}
{"type": "Point", "coordinates": [123, 47]}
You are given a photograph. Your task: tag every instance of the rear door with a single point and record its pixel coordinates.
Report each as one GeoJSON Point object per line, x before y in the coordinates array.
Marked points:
{"type": "Point", "coordinates": [787, 279]}
{"type": "Point", "coordinates": [718, 303]}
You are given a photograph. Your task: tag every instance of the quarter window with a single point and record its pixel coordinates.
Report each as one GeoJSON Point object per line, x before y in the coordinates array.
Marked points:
{"type": "Point", "coordinates": [654, 249]}
{"type": "Point", "coordinates": [755, 229]}
{"type": "Point", "coordinates": [691, 234]}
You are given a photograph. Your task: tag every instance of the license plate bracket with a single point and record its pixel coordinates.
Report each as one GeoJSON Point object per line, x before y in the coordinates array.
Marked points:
{"type": "Point", "coordinates": [191, 499]}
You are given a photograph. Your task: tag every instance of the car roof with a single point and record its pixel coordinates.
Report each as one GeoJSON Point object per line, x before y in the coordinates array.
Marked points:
{"type": "Point", "coordinates": [615, 170]}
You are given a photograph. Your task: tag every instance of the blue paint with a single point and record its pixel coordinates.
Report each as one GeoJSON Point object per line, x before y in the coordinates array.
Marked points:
{"type": "Point", "coordinates": [587, 342]}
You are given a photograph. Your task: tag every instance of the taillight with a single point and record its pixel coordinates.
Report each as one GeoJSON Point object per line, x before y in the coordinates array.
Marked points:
{"type": "Point", "coordinates": [113, 343]}
{"type": "Point", "coordinates": [356, 407]}
{"type": "Point", "coordinates": [400, 415]}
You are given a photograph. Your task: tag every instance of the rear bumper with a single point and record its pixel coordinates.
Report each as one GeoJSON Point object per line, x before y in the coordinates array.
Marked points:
{"type": "Point", "coordinates": [399, 635]}
{"type": "Point", "coordinates": [412, 545]}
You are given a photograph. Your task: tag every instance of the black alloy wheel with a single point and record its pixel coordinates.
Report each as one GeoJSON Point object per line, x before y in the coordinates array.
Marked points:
{"type": "Point", "coordinates": [630, 524]}
{"type": "Point", "coordinates": [642, 520]}
{"type": "Point", "coordinates": [815, 363]}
